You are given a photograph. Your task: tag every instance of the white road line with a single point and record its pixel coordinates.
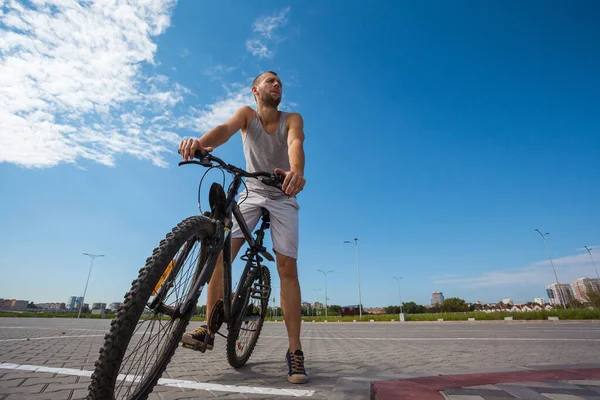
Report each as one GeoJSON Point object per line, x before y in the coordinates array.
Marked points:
{"type": "Point", "coordinates": [58, 328]}
{"type": "Point", "coordinates": [178, 383]}
{"type": "Point", "coordinates": [49, 337]}
{"type": "Point", "coordinates": [441, 339]}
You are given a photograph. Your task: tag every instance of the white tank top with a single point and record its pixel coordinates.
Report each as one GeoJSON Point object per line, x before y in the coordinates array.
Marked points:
{"type": "Point", "coordinates": [264, 152]}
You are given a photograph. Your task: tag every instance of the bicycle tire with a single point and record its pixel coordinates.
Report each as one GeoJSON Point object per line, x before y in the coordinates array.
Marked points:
{"type": "Point", "coordinates": [232, 357]}
{"type": "Point", "coordinates": [116, 342]}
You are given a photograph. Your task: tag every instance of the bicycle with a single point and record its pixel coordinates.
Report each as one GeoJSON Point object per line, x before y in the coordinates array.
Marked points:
{"type": "Point", "coordinates": [166, 288]}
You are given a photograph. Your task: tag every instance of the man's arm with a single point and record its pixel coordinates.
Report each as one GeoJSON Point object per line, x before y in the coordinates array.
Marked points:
{"type": "Point", "coordinates": [216, 136]}
{"type": "Point", "coordinates": [222, 133]}
{"type": "Point", "coordinates": [294, 178]}
{"type": "Point", "coordinates": [296, 143]}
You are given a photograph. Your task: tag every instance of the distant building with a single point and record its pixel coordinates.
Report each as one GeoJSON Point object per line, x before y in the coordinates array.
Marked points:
{"type": "Point", "coordinates": [114, 306]}
{"type": "Point", "coordinates": [13, 305]}
{"type": "Point", "coordinates": [437, 298]}
{"type": "Point", "coordinates": [560, 294]}
{"type": "Point", "coordinates": [583, 286]}
{"type": "Point", "coordinates": [374, 311]}
{"type": "Point", "coordinates": [51, 306]}
{"type": "Point", "coordinates": [74, 302]}
{"type": "Point", "coordinates": [349, 310]}
{"type": "Point", "coordinates": [508, 301]}
{"type": "Point", "coordinates": [539, 300]}
{"type": "Point", "coordinates": [98, 306]}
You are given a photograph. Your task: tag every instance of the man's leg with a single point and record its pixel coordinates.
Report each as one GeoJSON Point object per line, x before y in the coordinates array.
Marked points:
{"type": "Point", "coordinates": [284, 232]}
{"type": "Point", "coordinates": [290, 298]}
{"type": "Point", "coordinates": [215, 286]}
{"type": "Point", "coordinates": [201, 337]}
{"type": "Point", "coordinates": [292, 314]}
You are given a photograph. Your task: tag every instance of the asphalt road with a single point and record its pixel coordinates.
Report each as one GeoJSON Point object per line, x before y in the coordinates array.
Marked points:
{"type": "Point", "coordinates": [44, 358]}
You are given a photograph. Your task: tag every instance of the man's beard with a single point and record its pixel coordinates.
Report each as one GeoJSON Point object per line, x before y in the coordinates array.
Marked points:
{"type": "Point", "coordinates": [270, 101]}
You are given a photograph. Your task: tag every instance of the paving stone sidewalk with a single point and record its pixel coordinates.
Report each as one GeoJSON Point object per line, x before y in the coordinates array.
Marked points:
{"type": "Point", "coordinates": [343, 359]}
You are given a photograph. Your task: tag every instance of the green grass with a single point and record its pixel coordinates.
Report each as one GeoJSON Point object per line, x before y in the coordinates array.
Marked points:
{"type": "Point", "coordinates": [584, 314]}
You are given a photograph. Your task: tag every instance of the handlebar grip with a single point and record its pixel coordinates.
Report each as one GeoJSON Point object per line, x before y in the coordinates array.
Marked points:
{"type": "Point", "coordinates": [200, 154]}
{"type": "Point", "coordinates": [275, 180]}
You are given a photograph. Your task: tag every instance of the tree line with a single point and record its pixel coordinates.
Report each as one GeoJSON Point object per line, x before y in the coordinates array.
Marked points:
{"type": "Point", "coordinates": [450, 305]}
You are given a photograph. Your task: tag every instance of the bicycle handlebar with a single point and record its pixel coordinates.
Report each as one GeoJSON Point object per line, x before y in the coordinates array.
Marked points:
{"type": "Point", "coordinates": [207, 159]}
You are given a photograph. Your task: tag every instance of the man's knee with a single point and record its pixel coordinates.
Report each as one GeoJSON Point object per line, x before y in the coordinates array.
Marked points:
{"type": "Point", "coordinates": [287, 267]}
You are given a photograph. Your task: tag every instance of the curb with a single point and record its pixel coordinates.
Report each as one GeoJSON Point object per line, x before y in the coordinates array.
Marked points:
{"type": "Point", "coordinates": [430, 387]}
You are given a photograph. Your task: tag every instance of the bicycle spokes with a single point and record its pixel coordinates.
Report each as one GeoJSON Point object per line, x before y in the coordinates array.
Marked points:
{"type": "Point", "coordinates": [253, 313]}
{"type": "Point", "coordinates": [159, 318]}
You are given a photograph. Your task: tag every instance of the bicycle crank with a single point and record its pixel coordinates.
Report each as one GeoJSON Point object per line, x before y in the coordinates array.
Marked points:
{"type": "Point", "coordinates": [216, 317]}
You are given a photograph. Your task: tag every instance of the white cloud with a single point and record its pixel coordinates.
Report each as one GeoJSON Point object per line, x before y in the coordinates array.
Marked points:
{"type": "Point", "coordinates": [217, 113]}
{"type": "Point", "coordinates": [72, 87]}
{"type": "Point", "coordinates": [258, 48]}
{"type": "Point", "coordinates": [265, 28]}
{"type": "Point", "coordinates": [218, 71]}
{"type": "Point", "coordinates": [540, 273]}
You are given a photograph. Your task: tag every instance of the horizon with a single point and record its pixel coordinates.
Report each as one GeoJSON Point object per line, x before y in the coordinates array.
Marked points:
{"type": "Point", "coordinates": [369, 307]}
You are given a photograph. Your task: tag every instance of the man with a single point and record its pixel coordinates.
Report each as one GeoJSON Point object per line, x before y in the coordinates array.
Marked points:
{"type": "Point", "coordinates": [272, 141]}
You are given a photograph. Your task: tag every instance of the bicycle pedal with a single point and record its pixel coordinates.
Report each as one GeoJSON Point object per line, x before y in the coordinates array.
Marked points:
{"type": "Point", "coordinates": [260, 294]}
{"type": "Point", "coordinates": [201, 347]}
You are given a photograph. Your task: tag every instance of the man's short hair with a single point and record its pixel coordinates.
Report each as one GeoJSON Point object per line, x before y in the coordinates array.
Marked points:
{"type": "Point", "coordinates": [255, 81]}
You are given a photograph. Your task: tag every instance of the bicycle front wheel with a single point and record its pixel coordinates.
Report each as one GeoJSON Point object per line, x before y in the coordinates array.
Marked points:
{"type": "Point", "coordinates": [146, 331]}
{"type": "Point", "coordinates": [244, 333]}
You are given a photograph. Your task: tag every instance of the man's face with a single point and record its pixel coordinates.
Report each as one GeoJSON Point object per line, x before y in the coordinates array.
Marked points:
{"type": "Point", "coordinates": [269, 89]}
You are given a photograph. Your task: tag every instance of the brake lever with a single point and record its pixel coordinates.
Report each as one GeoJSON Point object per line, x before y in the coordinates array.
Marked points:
{"type": "Point", "coordinates": [204, 164]}
{"type": "Point", "coordinates": [202, 155]}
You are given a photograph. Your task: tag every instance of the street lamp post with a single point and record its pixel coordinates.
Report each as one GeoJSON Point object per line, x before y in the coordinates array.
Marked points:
{"type": "Point", "coordinates": [93, 257]}
{"type": "Point", "coordinates": [560, 293]}
{"type": "Point", "coordinates": [399, 298]}
{"type": "Point", "coordinates": [325, 273]}
{"type": "Point", "coordinates": [593, 262]}
{"type": "Point", "coordinates": [358, 276]}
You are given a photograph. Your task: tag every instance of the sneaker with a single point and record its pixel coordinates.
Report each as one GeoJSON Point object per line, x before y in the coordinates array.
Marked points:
{"type": "Point", "coordinates": [295, 362]}
{"type": "Point", "coordinates": [200, 339]}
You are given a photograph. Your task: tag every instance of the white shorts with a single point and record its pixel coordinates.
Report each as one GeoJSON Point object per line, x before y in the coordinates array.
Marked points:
{"type": "Point", "coordinates": [284, 220]}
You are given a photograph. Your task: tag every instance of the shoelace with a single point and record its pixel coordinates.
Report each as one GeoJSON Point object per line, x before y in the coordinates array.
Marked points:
{"type": "Point", "coordinates": [201, 330]}
{"type": "Point", "coordinates": [297, 364]}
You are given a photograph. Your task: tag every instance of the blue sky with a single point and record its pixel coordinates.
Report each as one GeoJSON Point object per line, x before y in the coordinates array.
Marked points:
{"type": "Point", "coordinates": [441, 134]}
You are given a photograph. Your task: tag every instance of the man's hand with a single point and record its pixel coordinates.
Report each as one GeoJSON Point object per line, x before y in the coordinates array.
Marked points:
{"type": "Point", "coordinates": [188, 147]}
{"type": "Point", "coordinates": [293, 183]}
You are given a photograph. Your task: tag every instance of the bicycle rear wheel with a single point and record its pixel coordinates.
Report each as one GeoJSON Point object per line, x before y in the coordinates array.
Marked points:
{"type": "Point", "coordinates": [244, 333]}
{"type": "Point", "coordinates": [146, 331]}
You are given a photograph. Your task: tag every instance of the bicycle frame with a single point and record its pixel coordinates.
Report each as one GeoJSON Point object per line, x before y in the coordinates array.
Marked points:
{"type": "Point", "coordinates": [255, 247]}
{"type": "Point", "coordinates": [222, 241]}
